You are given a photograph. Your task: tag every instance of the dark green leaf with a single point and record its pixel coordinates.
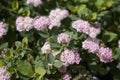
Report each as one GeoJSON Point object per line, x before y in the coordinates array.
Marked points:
{"type": "Point", "coordinates": [58, 64]}
{"type": "Point", "coordinates": [4, 45]}
{"type": "Point", "coordinates": [25, 68]}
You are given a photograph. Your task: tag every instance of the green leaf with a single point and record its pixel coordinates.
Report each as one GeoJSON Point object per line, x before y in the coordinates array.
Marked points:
{"type": "Point", "coordinates": [99, 3]}
{"type": "Point", "coordinates": [38, 64]}
{"type": "Point", "coordinates": [81, 9]}
{"type": "Point", "coordinates": [25, 68]}
{"type": "Point", "coordinates": [55, 45]}
{"type": "Point", "coordinates": [73, 17]}
{"type": "Point", "coordinates": [41, 71]}
{"type": "Point", "coordinates": [83, 1]}
{"type": "Point", "coordinates": [15, 4]}
{"type": "Point", "coordinates": [109, 36]}
{"type": "Point", "coordinates": [1, 63]}
{"type": "Point", "coordinates": [26, 13]}
{"type": "Point", "coordinates": [93, 67]}
{"type": "Point", "coordinates": [109, 3]}
{"type": "Point", "coordinates": [78, 77]}
{"type": "Point", "coordinates": [84, 12]}
{"type": "Point", "coordinates": [58, 64]}
{"type": "Point", "coordinates": [44, 35]}
{"type": "Point", "coordinates": [18, 44]}
{"type": "Point", "coordinates": [116, 77]}
{"type": "Point", "coordinates": [73, 9]}
{"type": "Point", "coordinates": [4, 45]}
{"type": "Point", "coordinates": [94, 16]}
{"type": "Point", "coordinates": [51, 58]}
{"type": "Point", "coordinates": [103, 13]}
{"type": "Point", "coordinates": [21, 10]}
{"type": "Point", "coordinates": [116, 55]}
{"type": "Point", "coordinates": [73, 35]}
{"type": "Point", "coordinates": [25, 41]}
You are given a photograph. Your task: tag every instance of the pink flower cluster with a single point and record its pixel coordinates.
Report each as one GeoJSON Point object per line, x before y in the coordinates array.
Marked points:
{"type": "Point", "coordinates": [3, 74]}
{"type": "Point", "coordinates": [86, 27]}
{"type": "Point", "coordinates": [94, 32]}
{"type": "Point", "coordinates": [41, 22]}
{"type": "Point", "coordinates": [91, 44]}
{"type": "Point", "coordinates": [35, 3]}
{"type": "Point", "coordinates": [81, 26]}
{"type": "Point", "coordinates": [46, 48]}
{"type": "Point", "coordinates": [56, 16]}
{"type": "Point", "coordinates": [3, 30]}
{"type": "Point", "coordinates": [66, 76]}
{"type": "Point", "coordinates": [70, 56]}
{"type": "Point", "coordinates": [63, 38]}
{"type": "Point", "coordinates": [27, 23]}
{"type": "Point", "coordinates": [105, 54]}
{"type": "Point", "coordinates": [54, 19]}
{"type": "Point", "coordinates": [24, 23]}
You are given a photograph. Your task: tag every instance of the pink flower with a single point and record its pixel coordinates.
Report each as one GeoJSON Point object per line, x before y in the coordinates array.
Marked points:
{"type": "Point", "coordinates": [81, 26]}
{"type": "Point", "coordinates": [35, 3]}
{"type": "Point", "coordinates": [3, 74]}
{"type": "Point", "coordinates": [105, 54]}
{"type": "Point", "coordinates": [91, 44]}
{"type": "Point", "coordinates": [56, 16]}
{"type": "Point", "coordinates": [70, 56]}
{"type": "Point", "coordinates": [24, 23]}
{"type": "Point", "coordinates": [85, 27]}
{"type": "Point", "coordinates": [3, 30]}
{"type": "Point", "coordinates": [94, 32]}
{"type": "Point", "coordinates": [46, 48]}
{"type": "Point", "coordinates": [67, 76]}
{"type": "Point", "coordinates": [63, 38]}
{"type": "Point", "coordinates": [41, 22]}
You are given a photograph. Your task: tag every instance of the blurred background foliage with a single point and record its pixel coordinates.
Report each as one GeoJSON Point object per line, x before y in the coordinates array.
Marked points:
{"type": "Point", "coordinates": [107, 12]}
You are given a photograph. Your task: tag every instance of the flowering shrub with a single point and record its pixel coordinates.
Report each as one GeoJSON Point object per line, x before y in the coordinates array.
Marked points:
{"type": "Point", "coordinates": [60, 40]}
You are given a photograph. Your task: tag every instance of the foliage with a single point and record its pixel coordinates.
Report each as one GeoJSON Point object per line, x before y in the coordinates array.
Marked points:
{"type": "Point", "coordinates": [24, 57]}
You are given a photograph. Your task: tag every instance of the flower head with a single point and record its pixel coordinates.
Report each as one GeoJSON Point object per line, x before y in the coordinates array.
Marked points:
{"type": "Point", "coordinates": [24, 23]}
{"type": "Point", "coordinates": [91, 44]}
{"type": "Point", "coordinates": [3, 30]}
{"type": "Point", "coordinates": [67, 76]}
{"type": "Point", "coordinates": [81, 26]}
{"type": "Point", "coordinates": [46, 48]}
{"type": "Point", "coordinates": [94, 32]}
{"type": "Point", "coordinates": [105, 54]}
{"type": "Point", "coordinates": [85, 27]}
{"type": "Point", "coordinates": [70, 56]}
{"type": "Point", "coordinates": [41, 22]}
{"type": "Point", "coordinates": [35, 3]}
{"type": "Point", "coordinates": [63, 38]}
{"type": "Point", "coordinates": [56, 16]}
{"type": "Point", "coordinates": [3, 74]}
